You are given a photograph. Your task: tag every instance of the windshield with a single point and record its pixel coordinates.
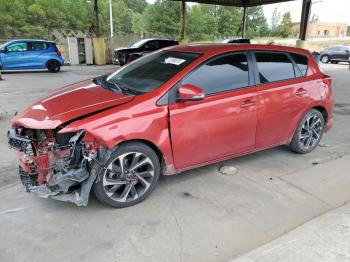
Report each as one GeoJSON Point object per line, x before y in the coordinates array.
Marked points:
{"type": "Point", "coordinates": [140, 43]}
{"type": "Point", "coordinates": [150, 72]}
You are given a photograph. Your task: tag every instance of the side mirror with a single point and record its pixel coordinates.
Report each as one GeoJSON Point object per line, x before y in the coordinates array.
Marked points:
{"type": "Point", "coordinates": [189, 92]}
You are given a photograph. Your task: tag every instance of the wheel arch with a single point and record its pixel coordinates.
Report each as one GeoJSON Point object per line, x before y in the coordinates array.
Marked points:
{"type": "Point", "coordinates": [51, 59]}
{"type": "Point", "coordinates": [155, 148]}
{"type": "Point", "coordinates": [323, 111]}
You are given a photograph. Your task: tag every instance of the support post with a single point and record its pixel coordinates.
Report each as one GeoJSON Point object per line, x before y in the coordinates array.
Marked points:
{"type": "Point", "coordinates": [111, 17]}
{"type": "Point", "coordinates": [97, 21]}
{"type": "Point", "coordinates": [304, 21]}
{"type": "Point", "coordinates": [182, 19]}
{"type": "Point", "coordinates": [244, 19]}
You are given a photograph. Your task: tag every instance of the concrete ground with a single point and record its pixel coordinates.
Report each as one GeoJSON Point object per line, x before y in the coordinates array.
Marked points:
{"type": "Point", "coordinates": [200, 215]}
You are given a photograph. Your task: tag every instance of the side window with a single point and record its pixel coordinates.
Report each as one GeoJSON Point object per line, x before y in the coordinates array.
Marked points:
{"type": "Point", "coordinates": [221, 74]}
{"type": "Point", "coordinates": [38, 46]}
{"type": "Point", "coordinates": [274, 67]}
{"type": "Point", "coordinates": [301, 61]}
{"type": "Point", "coordinates": [152, 45]}
{"type": "Point", "coordinates": [17, 47]}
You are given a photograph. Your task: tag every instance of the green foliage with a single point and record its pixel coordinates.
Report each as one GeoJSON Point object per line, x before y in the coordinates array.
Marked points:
{"type": "Point", "coordinates": [285, 28]}
{"type": "Point", "coordinates": [38, 18]}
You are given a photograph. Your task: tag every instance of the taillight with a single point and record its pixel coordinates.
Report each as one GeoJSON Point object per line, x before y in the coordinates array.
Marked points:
{"type": "Point", "coordinates": [58, 52]}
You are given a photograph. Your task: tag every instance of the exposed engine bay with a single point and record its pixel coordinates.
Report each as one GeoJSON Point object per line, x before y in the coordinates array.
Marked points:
{"type": "Point", "coordinates": [54, 165]}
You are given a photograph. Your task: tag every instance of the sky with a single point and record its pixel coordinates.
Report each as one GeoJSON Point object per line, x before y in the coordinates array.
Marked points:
{"type": "Point", "coordinates": [337, 11]}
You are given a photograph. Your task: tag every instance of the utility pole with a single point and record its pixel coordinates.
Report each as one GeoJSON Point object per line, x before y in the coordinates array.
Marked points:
{"type": "Point", "coordinates": [97, 22]}
{"type": "Point", "coordinates": [111, 17]}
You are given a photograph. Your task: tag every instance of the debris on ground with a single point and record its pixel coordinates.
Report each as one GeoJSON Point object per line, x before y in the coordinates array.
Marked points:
{"type": "Point", "coordinates": [228, 170]}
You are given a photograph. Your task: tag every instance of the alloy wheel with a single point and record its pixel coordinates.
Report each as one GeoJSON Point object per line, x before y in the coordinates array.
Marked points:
{"type": "Point", "coordinates": [311, 132]}
{"type": "Point", "coordinates": [128, 177]}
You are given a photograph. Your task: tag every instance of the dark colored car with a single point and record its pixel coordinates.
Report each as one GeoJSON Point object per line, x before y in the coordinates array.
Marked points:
{"type": "Point", "coordinates": [174, 110]}
{"type": "Point", "coordinates": [122, 56]}
{"type": "Point", "coordinates": [30, 54]}
{"type": "Point", "coordinates": [335, 54]}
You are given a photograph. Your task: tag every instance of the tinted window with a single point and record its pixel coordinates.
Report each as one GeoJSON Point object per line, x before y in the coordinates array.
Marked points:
{"type": "Point", "coordinates": [221, 74]}
{"type": "Point", "coordinates": [17, 47]}
{"type": "Point", "coordinates": [334, 49]}
{"type": "Point", "coordinates": [37, 46]}
{"type": "Point", "coordinates": [152, 45]}
{"type": "Point", "coordinates": [274, 67]}
{"type": "Point", "coordinates": [149, 72]}
{"type": "Point", "coordinates": [301, 62]}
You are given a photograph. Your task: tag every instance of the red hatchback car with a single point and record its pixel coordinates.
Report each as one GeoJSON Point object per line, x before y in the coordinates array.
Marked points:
{"type": "Point", "coordinates": [174, 110]}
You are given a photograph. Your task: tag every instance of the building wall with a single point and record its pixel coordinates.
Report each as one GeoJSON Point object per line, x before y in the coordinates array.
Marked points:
{"type": "Point", "coordinates": [322, 29]}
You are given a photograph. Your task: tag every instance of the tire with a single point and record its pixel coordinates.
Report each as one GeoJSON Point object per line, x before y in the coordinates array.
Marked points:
{"type": "Point", "coordinates": [53, 66]}
{"type": "Point", "coordinates": [122, 185]}
{"type": "Point", "coordinates": [325, 59]}
{"type": "Point", "coordinates": [123, 59]}
{"type": "Point", "coordinates": [308, 133]}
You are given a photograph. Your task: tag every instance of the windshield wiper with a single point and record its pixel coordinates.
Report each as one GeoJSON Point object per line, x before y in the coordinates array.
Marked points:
{"type": "Point", "coordinates": [102, 81]}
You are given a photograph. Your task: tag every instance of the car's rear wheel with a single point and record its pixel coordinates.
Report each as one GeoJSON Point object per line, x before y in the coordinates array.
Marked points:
{"type": "Point", "coordinates": [325, 59]}
{"type": "Point", "coordinates": [129, 176]}
{"type": "Point", "coordinates": [53, 66]}
{"type": "Point", "coordinates": [309, 132]}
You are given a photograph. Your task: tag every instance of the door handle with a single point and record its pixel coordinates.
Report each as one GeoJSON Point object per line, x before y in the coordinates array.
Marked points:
{"type": "Point", "coordinates": [300, 92]}
{"type": "Point", "coordinates": [247, 104]}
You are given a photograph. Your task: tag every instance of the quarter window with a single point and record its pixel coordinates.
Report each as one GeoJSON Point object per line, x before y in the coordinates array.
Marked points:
{"type": "Point", "coordinates": [301, 62]}
{"type": "Point", "coordinates": [221, 74]}
{"type": "Point", "coordinates": [274, 67]}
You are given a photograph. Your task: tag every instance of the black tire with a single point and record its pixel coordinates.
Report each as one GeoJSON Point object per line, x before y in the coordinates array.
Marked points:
{"type": "Point", "coordinates": [53, 66]}
{"type": "Point", "coordinates": [123, 189]}
{"type": "Point", "coordinates": [306, 139]}
{"type": "Point", "coordinates": [325, 59]}
{"type": "Point", "coordinates": [123, 59]}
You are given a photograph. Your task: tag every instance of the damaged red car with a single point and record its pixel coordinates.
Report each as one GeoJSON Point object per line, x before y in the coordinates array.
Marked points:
{"type": "Point", "coordinates": [174, 110]}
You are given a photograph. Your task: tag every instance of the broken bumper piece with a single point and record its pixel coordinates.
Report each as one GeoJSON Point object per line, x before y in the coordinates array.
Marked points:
{"type": "Point", "coordinates": [80, 196]}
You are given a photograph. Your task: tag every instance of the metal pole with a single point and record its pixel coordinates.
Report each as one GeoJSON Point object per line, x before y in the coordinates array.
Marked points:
{"type": "Point", "coordinates": [111, 17]}
{"type": "Point", "coordinates": [244, 27]}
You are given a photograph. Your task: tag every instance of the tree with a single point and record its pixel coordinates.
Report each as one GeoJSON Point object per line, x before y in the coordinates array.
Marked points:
{"type": "Point", "coordinates": [229, 20]}
{"type": "Point", "coordinates": [275, 20]}
{"type": "Point", "coordinates": [256, 22]}
{"type": "Point", "coordinates": [285, 28]}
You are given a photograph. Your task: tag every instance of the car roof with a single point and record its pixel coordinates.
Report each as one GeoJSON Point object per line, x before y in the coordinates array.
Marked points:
{"type": "Point", "coordinates": [223, 47]}
{"type": "Point", "coordinates": [30, 40]}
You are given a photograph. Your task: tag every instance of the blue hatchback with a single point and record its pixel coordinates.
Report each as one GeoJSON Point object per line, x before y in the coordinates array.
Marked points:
{"type": "Point", "coordinates": [30, 54]}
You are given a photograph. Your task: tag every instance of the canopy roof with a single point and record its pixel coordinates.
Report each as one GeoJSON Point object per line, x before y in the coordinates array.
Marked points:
{"type": "Point", "coordinates": [240, 3]}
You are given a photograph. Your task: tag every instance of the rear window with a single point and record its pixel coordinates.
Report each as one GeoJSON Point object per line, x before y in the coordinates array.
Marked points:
{"type": "Point", "coordinates": [301, 61]}
{"type": "Point", "coordinates": [274, 66]}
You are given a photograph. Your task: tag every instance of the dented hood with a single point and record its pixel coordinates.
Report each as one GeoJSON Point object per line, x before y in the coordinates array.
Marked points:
{"type": "Point", "coordinates": [68, 103]}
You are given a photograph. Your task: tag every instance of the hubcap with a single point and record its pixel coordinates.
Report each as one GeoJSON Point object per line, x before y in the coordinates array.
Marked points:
{"type": "Point", "coordinates": [128, 177]}
{"type": "Point", "coordinates": [325, 59]}
{"type": "Point", "coordinates": [311, 132]}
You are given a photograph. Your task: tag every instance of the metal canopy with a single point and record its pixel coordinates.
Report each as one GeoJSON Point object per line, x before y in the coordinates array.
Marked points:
{"type": "Point", "coordinates": [239, 3]}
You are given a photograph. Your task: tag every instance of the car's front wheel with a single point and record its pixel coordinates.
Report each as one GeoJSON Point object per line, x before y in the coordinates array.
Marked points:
{"type": "Point", "coordinates": [53, 66]}
{"type": "Point", "coordinates": [129, 176]}
{"type": "Point", "coordinates": [308, 133]}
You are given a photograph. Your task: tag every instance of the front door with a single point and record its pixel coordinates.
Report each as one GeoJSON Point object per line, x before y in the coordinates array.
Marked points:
{"type": "Point", "coordinates": [15, 56]}
{"type": "Point", "coordinates": [224, 122]}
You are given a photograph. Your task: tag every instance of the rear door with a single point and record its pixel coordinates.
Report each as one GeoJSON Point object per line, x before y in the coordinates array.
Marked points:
{"type": "Point", "coordinates": [224, 122]}
{"type": "Point", "coordinates": [281, 97]}
{"type": "Point", "coordinates": [344, 54]}
{"type": "Point", "coordinates": [37, 54]}
{"type": "Point", "coordinates": [15, 56]}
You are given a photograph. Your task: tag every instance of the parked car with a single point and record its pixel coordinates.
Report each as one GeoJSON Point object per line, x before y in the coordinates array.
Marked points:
{"type": "Point", "coordinates": [30, 54]}
{"type": "Point", "coordinates": [237, 41]}
{"type": "Point", "coordinates": [122, 56]}
{"type": "Point", "coordinates": [174, 110]}
{"type": "Point", "coordinates": [335, 54]}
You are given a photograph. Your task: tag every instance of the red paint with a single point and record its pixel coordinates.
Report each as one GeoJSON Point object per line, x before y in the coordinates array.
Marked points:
{"type": "Point", "coordinates": [192, 133]}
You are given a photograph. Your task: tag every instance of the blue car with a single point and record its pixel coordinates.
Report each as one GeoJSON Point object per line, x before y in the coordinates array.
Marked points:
{"type": "Point", "coordinates": [30, 54]}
